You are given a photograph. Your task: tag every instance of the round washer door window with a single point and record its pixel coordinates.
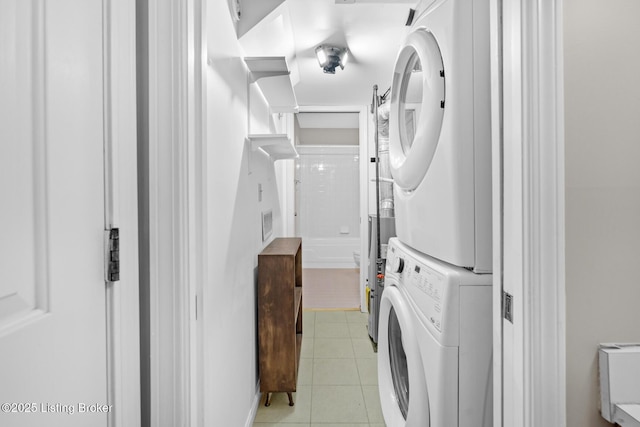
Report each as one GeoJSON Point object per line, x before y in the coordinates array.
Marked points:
{"type": "Point", "coordinates": [401, 375]}
{"type": "Point", "coordinates": [398, 362]}
{"type": "Point", "coordinates": [417, 108]}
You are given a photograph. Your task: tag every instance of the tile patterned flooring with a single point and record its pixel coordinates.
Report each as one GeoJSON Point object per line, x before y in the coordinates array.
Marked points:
{"type": "Point", "coordinates": [337, 377]}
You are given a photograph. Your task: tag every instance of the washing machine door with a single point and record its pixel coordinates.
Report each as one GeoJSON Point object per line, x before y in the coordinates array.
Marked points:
{"type": "Point", "coordinates": [416, 108]}
{"type": "Point", "coordinates": [401, 379]}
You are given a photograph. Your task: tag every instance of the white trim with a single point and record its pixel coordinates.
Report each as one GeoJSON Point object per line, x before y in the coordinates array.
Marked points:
{"type": "Point", "coordinates": [533, 214]}
{"type": "Point", "coordinates": [496, 164]}
{"type": "Point", "coordinates": [197, 205]}
{"type": "Point", "coordinates": [364, 203]}
{"type": "Point", "coordinates": [364, 184]}
{"type": "Point", "coordinates": [544, 232]}
{"type": "Point", "coordinates": [289, 175]}
{"type": "Point", "coordinates": [121, 210]}
{"type": "Point", "coordinates": [254, 407]}
{"type": "Point", "coordinates": [176, 185]}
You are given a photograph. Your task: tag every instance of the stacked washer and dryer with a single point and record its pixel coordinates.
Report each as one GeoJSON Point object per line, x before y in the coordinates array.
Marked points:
{"type": "Point", "coordinates": [435, 333]}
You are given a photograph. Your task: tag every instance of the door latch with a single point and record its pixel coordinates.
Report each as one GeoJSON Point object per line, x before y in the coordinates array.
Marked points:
{"type": "Point", "coordinates": [112, 255]}
{"type": "Point", "coordinates": [507, 306]}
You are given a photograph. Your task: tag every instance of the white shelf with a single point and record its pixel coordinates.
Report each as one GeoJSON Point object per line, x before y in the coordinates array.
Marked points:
{"type": "Point", "coordinates": [273, 76]}
{"type": "Point", "coordinates": [278, 146]}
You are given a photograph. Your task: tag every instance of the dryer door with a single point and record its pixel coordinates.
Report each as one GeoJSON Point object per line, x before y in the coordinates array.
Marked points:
{"type": "Point", "coordinates": [417, 108]}
{"type": "Point", "coordinates": [401, 378]}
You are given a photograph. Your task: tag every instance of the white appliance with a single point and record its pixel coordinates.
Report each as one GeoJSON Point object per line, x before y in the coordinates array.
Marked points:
{"type": "Point", "coordinates": [619, 368]}
{"type": "Point", "coordinates": [434, 343]}
{"type": "Point", "coordinates": [440, 138]}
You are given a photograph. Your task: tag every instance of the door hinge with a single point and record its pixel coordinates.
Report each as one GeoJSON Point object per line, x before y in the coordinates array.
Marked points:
{"type": "Point", "coordinates": [507, 306]}
{"type": "Point", "coordinates": [112, 255]}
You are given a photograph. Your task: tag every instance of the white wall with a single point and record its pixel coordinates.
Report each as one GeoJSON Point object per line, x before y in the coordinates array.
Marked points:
{"type": "Point", "coordinates": [602, 96]}
{"type": "Point", "coordinates": [234, 226]}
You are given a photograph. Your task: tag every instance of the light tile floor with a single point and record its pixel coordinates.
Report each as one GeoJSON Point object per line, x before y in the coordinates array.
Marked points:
{"type": "Point", "coordinates": [337, 378]}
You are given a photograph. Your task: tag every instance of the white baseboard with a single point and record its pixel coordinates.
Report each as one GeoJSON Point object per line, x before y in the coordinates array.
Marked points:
{"type": "Point", "coordinates": [254, 407]}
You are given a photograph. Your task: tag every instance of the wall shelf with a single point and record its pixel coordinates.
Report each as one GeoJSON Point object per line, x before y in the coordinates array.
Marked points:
{"type": "Point", "coordinates": [278, 146]}
{"type": "Point", "coordinates": [272, 75]}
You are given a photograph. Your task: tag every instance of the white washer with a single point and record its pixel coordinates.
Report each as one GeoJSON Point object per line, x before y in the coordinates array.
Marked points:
{"type": "Point", "coordinates": [440, 135]}
{"type": "Point", "coordinates": [434, 343]}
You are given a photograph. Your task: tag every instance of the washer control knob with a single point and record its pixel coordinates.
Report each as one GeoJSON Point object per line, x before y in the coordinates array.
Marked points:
{"type": "Point", "coordinates": [398, 265]}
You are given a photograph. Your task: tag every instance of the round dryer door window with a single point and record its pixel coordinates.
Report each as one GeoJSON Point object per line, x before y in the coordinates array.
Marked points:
{"type": "Point", "coordinates": [417, 108]}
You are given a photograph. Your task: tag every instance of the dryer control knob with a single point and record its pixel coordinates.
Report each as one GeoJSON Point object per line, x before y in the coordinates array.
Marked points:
{"type": "Point", "coordinates": [398, 265]}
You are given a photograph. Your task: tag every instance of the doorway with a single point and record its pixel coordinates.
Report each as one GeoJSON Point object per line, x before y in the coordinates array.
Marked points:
{"type": "Point", "coordinates": [328, 206]}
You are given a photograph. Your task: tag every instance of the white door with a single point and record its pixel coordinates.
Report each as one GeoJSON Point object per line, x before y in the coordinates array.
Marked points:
{"type": "Point", "coordinates": [418, 79]}
{"type": "Point", "coordinates": [401, 376]}
{"type": "Point", "coordinates": [53, 335]}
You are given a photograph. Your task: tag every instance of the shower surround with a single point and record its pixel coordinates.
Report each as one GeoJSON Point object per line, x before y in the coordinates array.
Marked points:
{"type": "Point", "coordinates": [328, 205]}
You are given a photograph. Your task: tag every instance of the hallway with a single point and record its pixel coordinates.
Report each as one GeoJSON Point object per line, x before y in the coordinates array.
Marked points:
{"type": "Point", "coordinates": [137, 190]}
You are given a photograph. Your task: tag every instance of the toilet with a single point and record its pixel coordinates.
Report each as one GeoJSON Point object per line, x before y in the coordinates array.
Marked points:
{"type": "Point", "coordinates": [356, 258]}
{"type": "Point", "coordinates": [620, 383]}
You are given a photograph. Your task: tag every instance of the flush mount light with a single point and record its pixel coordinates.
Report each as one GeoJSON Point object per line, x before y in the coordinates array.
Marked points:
{"type": "Point", "coordinates": [330, 57]}
{"type": "Point", "coordinates": [235, 9]}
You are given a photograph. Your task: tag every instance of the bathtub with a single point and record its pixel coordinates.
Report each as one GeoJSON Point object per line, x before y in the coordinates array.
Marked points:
{"type": "Point", "coordinates": [326, 252]}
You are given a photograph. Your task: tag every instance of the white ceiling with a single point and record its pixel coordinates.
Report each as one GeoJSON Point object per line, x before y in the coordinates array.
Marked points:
{"type": "Point", "coordinates": [371, 29]}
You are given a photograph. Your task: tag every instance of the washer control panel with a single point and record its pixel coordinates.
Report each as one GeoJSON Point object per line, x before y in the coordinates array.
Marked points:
{"type": "Point", "coordinates": [426, 287]}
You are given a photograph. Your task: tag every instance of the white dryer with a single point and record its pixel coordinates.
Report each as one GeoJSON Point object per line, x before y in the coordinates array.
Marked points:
{"type": "Point", "coordinates": [434, 343]}
{"type": "Point", "coordinates": [440, 138]}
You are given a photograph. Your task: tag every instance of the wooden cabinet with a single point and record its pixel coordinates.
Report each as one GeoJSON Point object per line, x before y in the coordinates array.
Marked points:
{"type": "Point", "coordinates": [280, 316]}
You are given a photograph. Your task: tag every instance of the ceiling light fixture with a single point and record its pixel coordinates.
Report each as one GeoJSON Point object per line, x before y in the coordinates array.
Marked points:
{"type": "Point", "coordinates": [330, 57]}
